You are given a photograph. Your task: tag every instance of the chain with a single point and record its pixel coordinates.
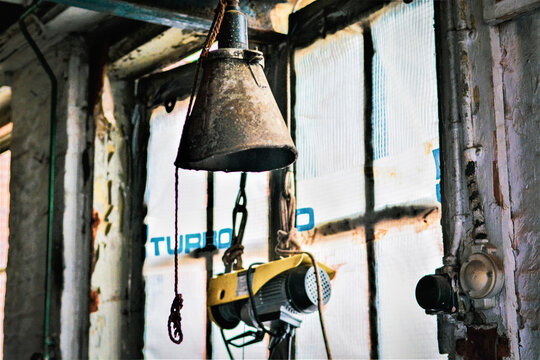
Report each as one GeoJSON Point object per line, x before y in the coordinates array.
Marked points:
{"type": "Point", "coordinates": [174, 323]}
{"type": "Point", "coordinates": [232, 259]}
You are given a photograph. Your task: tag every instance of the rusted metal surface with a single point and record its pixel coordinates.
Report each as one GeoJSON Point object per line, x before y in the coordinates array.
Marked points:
{"type": "Point", "coordinates": [420, 216]}
{"type": "Point", "coordinates": [235, 124]}
{"type": "Point", "coordinates": [483, 343]}
{"type": "Point", "coordinates": [94, 301]}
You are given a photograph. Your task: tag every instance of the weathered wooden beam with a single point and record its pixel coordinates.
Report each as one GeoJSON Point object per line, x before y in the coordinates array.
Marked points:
{"type": "Point", "coordinates": [52, 28]}
{"type": "Point", "coordinates": [150, 12]}
{"type": "Point", "coordinates": [171, 45]}
{"type": "Point", "coordinates": [324, 17]}
{"type": "Point", "coordinates": [166, 48]}
{"type": "Point", "coordinates": [157, 88]}
{"type": "Point", "coordinates": [175, 13]}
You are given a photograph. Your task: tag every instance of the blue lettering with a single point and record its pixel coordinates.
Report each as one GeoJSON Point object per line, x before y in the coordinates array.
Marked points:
{"type": "Point", "coordinates": [437, 157]}
{"type": "Point", "coordinates": [156, 241]}
{"type": "Point", "coordinates": [311, 219]}
{"type": "Point", "coordinates": [220, 243]}
{"type": "Point", "coordinates": [170, 249]}
{"type": "Point", "coordinates": [192, 244]}
{"type": "Point", "coordinates": [211, 237]}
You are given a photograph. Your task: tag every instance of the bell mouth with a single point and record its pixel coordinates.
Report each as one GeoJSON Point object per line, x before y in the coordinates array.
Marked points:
{"type": "Point", "coordinates": [249, 160]}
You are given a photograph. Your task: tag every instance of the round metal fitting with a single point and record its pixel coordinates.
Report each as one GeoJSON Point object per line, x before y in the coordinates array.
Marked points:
{"type": "Point", "coordinates": [251, 56]}
{"type": "Point", "coordinates": [481, 276]}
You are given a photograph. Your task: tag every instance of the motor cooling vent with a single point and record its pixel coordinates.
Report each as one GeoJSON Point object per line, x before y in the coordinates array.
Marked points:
{"type": "Point", "coordinates": [311, 285]}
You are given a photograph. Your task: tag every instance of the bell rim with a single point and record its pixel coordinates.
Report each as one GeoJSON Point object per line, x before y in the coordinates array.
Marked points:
{"type": "Point", "coordinates": [195, 164]}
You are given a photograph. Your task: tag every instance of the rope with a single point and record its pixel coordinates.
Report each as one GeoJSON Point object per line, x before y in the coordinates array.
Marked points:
{"type": "Point", "coordinates": [210, 38]}
{"type": "Point", "coordinates": [176, 232]}
{"type": "Point", "coordinates": [174, 322]}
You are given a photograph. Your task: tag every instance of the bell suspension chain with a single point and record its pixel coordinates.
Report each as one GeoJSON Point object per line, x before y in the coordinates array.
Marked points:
{"type": "Point", "coordinates": [232, 259]}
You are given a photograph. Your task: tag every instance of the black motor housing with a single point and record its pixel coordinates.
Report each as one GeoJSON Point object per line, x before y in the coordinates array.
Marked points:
{"type": "Point", "coordinates": [282, 298]}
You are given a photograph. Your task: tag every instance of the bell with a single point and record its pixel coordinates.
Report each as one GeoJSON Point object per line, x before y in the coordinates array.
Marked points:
{"type": "Point", "coordinates": [235, 124]}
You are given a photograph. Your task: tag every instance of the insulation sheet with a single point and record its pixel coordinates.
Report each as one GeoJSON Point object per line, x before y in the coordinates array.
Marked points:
{"type": "Point", "coordinates": [405, 112]}
{"type": "Point", "coordinates": [329, 125]}
{"type": "Point", "coordinates": [330, 179]}
{"type": "Point", "coordinates": [165, 133]}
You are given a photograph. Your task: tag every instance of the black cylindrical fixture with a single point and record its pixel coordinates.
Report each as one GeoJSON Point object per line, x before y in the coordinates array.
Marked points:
{"type": "Point", "coordinates": [233, 32]}
{"type": "Point", "coordinates": [302, 288]}
{"type": "Point", "coordinates": [434, 293]}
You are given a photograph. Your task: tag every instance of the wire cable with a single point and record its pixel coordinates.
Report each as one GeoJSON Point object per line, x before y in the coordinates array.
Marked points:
{"type": "Point", "coordinates": [319, 293]}
{"type": "Point", "coordinates": [226, 344]}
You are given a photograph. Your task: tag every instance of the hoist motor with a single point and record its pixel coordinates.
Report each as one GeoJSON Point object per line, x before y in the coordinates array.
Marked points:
{"type": "Point", "coordinates": [280, 290]}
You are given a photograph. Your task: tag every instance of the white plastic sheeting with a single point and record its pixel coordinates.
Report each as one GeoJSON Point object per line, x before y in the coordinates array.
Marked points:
{"type": "Point", "coordinates": [346, 314]}
{"type": "Point", "coordinates": [165, 132]}
{"type": "Point", "coordinates": [405, 254]}
{"type": "Point", "coordinates": [330, 129]}
{"type": "Point", "coordinates": [330, 138]}
{"type": "Point", "coordinates": [405, 113]}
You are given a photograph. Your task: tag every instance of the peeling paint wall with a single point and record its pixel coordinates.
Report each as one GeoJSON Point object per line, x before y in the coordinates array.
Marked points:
{"type": "Point", "coordinates": [520, 43]}
{"type": "Point", "coordinates": [115, 321]}
{"type": "Point", "coordinates": [493, 106]}
{"type": "Point", "coordinates": [23, 326]}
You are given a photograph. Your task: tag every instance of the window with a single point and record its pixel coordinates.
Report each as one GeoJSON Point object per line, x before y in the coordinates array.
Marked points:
{"type": "Point", "coordinates": [165, 132]}
{"type": "Point", "coordinates": [381, 233]}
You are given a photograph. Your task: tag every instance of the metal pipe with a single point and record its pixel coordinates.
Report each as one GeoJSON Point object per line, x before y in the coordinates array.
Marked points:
{"type": "Point", "coordinates": [47, 342]}
{"type": "Point", "coordinates": [456, 138]}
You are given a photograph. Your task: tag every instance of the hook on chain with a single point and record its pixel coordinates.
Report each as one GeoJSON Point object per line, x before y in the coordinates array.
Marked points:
{"type": "Point", "coordinates": [233, 255]}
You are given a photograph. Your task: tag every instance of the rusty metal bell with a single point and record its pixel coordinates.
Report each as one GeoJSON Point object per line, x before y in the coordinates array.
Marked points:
{"type": "Point", "coordinates": [235, 124]}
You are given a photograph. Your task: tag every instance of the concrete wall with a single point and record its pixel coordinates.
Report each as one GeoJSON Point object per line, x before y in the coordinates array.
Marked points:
{"type": "Point", "coordinates": [490, 100]}
{"type": "Point", "coordinates": [520, 62]}
{"type": "Point", "coordinates": [24, 311]}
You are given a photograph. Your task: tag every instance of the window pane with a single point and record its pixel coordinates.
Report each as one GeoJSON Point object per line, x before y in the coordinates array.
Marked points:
{"type": "Point", "coordinates": [346, 314]}
{"type": "Point", "coordinates": [404, 254]}
{"type": "Point", "coordinates": [330, 180]}
{"type": "Point", "coordinates": [165, 131]}
{"type": "Point", "coordinates": [405, 113]}
{"type": "Point", "coordinates": [329, 125]}
{"type": "Point", "coordinates": [405, 122]}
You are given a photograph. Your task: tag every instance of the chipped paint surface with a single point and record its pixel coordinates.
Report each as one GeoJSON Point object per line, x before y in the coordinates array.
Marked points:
{"type": "Point", "coordinates": [497, 103]}
{"type": "Point", "coordinates": [520, 43]}
{"type": "Point", "coordinates": [168, 47]}
{"type": "Point", "coordinates": [110, 301]}
{"type": "Point", "coordinates": [28, 214]}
